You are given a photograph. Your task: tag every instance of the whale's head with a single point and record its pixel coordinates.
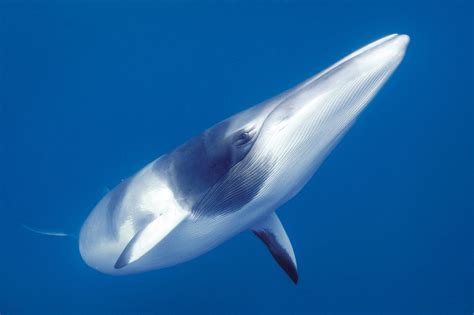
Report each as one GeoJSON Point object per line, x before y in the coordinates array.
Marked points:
{"type": "Point", "coordinates": [303, 128]}
{"type": "Point", "coordinates": [295, 131]}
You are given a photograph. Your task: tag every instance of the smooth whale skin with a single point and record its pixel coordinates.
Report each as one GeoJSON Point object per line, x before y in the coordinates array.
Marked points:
{"type": "Point", "coordinates": [234, 175]}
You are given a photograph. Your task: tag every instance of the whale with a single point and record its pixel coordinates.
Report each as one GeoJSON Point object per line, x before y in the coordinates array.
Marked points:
{"type": "Point", "coordinates": [234, 176]}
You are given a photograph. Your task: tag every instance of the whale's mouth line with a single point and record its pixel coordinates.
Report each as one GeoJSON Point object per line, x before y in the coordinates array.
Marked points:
{"type": "Point", "coordinates": [343, 61]}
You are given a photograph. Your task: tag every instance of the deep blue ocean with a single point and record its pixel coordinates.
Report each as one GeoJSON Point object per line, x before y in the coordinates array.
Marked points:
{"type": "Point", "coordinates": [91, 91]}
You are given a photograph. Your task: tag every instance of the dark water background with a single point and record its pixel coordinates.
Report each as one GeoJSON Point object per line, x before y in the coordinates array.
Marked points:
{"type": "Point", "coordinates": [90, 91]}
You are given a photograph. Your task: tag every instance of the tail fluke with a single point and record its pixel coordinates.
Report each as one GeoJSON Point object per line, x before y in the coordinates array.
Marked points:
{"type": "Point", "coordinates": [48, 233]}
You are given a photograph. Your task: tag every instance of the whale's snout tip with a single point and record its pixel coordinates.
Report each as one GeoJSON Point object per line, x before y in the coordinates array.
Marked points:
{"type": "Point", "coordinates": [403, 41]}
{"type": "Point", "coordinates": [399, 45]}
{"type": "Point", "coordinates": [389, 50]}
{"type": "Point", "coordinates": [405, 38]}
{"type": "Point", "coordinates": [395, 42]}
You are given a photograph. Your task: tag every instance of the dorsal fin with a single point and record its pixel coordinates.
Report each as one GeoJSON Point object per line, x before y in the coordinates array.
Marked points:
{"type": "Point", "coordinates": [150, 236]}
{"type": "Point", "coordinates": [271, 232]}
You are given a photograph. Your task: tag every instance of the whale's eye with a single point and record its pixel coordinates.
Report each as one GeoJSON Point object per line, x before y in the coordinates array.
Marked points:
{"type": "Point", "coordinates": [242, 138]}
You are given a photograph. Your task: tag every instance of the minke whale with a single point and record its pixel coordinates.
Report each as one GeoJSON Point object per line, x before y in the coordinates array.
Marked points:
{"type": "Point", "coordinates": [236, 174]}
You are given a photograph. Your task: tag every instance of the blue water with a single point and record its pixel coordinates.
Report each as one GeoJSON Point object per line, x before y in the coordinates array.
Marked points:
{"type": "Point", "coordinates": [92, 91]}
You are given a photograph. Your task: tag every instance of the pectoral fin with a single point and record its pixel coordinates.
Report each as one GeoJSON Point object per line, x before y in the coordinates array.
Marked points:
{"type": "Point", "coordinates": [149, 237]}
{"type": "Point", "coordinates": [271, 232]}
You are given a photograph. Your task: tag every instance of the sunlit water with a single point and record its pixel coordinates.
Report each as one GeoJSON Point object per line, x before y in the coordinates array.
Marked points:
{"type": "Point", "coordinates": [91, 92]}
